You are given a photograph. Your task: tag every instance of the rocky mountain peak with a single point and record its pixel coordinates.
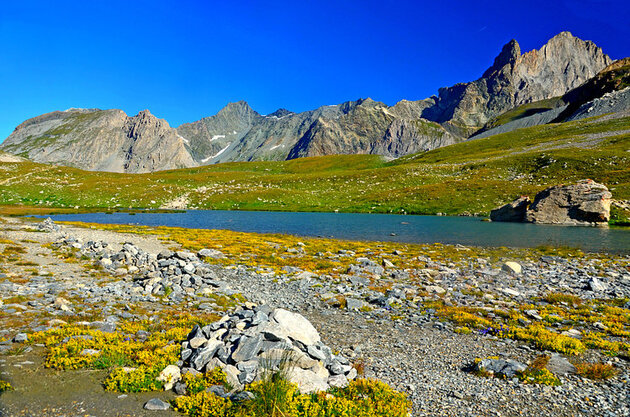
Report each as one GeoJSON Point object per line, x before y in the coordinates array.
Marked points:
{"type": "Point", "coordinates": [240, 106]}
{"type": "Point", "coordinates": [562, 64]}
{"type": "Point", "coordinates": [145, 123]}
{"type": "Point", "coordinates": [281, 113]}
{"type": "Point", "coordinates": [509, 54]}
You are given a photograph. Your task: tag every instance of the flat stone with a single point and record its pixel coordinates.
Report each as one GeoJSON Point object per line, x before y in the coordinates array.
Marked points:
{"type": "Point", "coordinates": [156, 404]}
{"type": "Point", "coordinates": [559, 365]}
{"type": "Point", "coordinates": [248, 349]}
{"type": "Point", "coordinates": [297, 326]}
{"type": "Point", "coordinates": [210, 253]}
{"type": "Point", "coordinates": [510, 292]}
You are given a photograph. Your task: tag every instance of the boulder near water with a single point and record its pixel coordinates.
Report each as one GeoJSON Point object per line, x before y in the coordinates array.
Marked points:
{"type": "Point", "coordinates": [511, 212]}
{"type": "Point", "coordinates": [586, 202]}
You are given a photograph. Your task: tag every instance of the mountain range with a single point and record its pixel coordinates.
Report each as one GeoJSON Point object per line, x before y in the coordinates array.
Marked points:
{"type": "Point", "coordinates": [552, 83]}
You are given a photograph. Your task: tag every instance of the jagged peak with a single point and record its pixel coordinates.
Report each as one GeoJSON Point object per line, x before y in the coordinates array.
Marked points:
{"type": "Point", "coordinates": [239, 107]}
{"type": "Point", "coordinates": [510, 52]}
{"type": "Point", "coordinates": [281, 113]}
{"type": "Point", "coordinates": [241, 104]}
{"type": "Point", "coordinates": [565, 34]}
{"type": "Point", "coordinates": [144, 113]}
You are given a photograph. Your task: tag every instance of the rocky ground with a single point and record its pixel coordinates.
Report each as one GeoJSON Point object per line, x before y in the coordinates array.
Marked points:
{"type": "Point", "coordinates": [417, 329]}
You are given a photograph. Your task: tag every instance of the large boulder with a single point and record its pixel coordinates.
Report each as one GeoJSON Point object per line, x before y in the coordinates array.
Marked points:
{"type": "Point", "coordinates": [586, 202]}
{"type": "Point", "coordinates": [511, 212]}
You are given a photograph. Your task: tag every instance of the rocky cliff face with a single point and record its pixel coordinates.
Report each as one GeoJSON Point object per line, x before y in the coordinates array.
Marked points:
{"type": "Point", "coordinates": [562, 64]}
{"type": "Point", "coordinates": [100, 140]}
{"type": "Point", "coordinates": [237, 133]}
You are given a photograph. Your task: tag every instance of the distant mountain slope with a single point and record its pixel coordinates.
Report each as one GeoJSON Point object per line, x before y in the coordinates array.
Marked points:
{"type": "Point", "coordinates": [100, 140]}
{"type": "Point", "coordinates": [111, 141]}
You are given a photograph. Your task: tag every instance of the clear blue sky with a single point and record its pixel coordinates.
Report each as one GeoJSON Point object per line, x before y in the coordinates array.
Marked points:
{"type": "Point", "coordinates": [184, 60]}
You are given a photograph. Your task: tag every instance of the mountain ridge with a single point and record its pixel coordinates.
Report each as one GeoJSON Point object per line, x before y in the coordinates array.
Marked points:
{"type": "Point", "coordinates": [143, 143]}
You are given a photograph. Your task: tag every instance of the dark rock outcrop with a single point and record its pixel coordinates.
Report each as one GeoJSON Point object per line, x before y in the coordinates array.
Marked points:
{"type": "Point", "coordinates": [511, 212]}
{"type": "Point", "coordinates": [586, 202]}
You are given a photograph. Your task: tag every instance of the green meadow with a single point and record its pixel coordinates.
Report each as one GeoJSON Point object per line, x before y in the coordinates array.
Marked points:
{"type": "Point", "coordinates": [470, 177]}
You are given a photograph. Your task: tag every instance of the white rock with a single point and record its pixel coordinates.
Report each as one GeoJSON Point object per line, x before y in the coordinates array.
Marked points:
{"type": "Point", "coordinates": [195, 342]}
{"type": "Point", "coordinates": [307, 381]}
{"type": "Point", "coordinates": [511, 292]}
{"type": "Point", "coordinates": [338, 381]}
{"type": "Point", "coordinates": [105, 262]}
{"type": "Point", "coordinates": [62, 304]}
{"type": "Point", "coordinates": [169, 375]}
{"type": "Point", "coordinates": [512, 267]}
{"type": "Point", "coordinates": [434, 289]}
{"type": "Point", "coordinates": [296, 326]}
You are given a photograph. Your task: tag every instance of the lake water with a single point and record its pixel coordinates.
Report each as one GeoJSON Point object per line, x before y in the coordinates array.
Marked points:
{"type": "Point", "coordinates": [380, 227]}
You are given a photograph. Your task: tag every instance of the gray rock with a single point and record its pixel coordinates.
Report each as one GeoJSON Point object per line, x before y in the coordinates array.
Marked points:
{"type": "Point", "coordinates": [559, 365]}
{"type": "Point", "coordinates": [156, 404]}
{"type": "Point", "coordinates": [504, 367]}
{"type": "Point", "coordinates": [354, 304]}
{"type": "Point", "coordinates": [218, 390]}
{"type": "Point", "coordinates": [511, 212]}
{"type": "Point", "coordinates": [180, 388]}
{"type": "Point", "coordinates": [202, 356]}
{"type": "Point", "coordinates": [586, 202]}
{"type": "Point", "coordinates": [20, 338]}
{"type": "Point", "coordinates": [242, 396]}
{"type": "Point", "coordinates": [248, 348]}
{"type": "Point", "coordinates": [210, 253]}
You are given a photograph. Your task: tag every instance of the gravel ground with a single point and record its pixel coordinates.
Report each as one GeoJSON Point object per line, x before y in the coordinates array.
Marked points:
{"type": "Point", "coordinates": [413, 352]}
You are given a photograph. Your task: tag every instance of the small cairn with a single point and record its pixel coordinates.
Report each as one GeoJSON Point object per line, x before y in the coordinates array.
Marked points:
{"type": "Point", "coordinates": [258, 338]}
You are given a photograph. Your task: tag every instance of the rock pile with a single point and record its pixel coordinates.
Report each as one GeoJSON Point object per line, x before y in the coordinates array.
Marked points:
{"type": "Point", "coordinates": [259, 338]}
{"type": "Point", "coordinates": [179, 273]}
{"type": "Point", "coordinates": [584, 203]}
{"type": "Point", "coordinates": [48, 226]}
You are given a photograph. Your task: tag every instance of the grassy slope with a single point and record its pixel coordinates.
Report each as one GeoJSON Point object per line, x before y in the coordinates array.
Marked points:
{"type": "Point", "coordinates": [473, 176]}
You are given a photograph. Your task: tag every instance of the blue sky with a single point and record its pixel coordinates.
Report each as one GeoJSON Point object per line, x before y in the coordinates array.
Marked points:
{"type": "Point", "coordinates": [184, 60]}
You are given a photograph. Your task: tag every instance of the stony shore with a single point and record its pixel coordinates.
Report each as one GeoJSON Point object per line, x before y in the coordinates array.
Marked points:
{"type": "Point", "coordinates": [417, 329]}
